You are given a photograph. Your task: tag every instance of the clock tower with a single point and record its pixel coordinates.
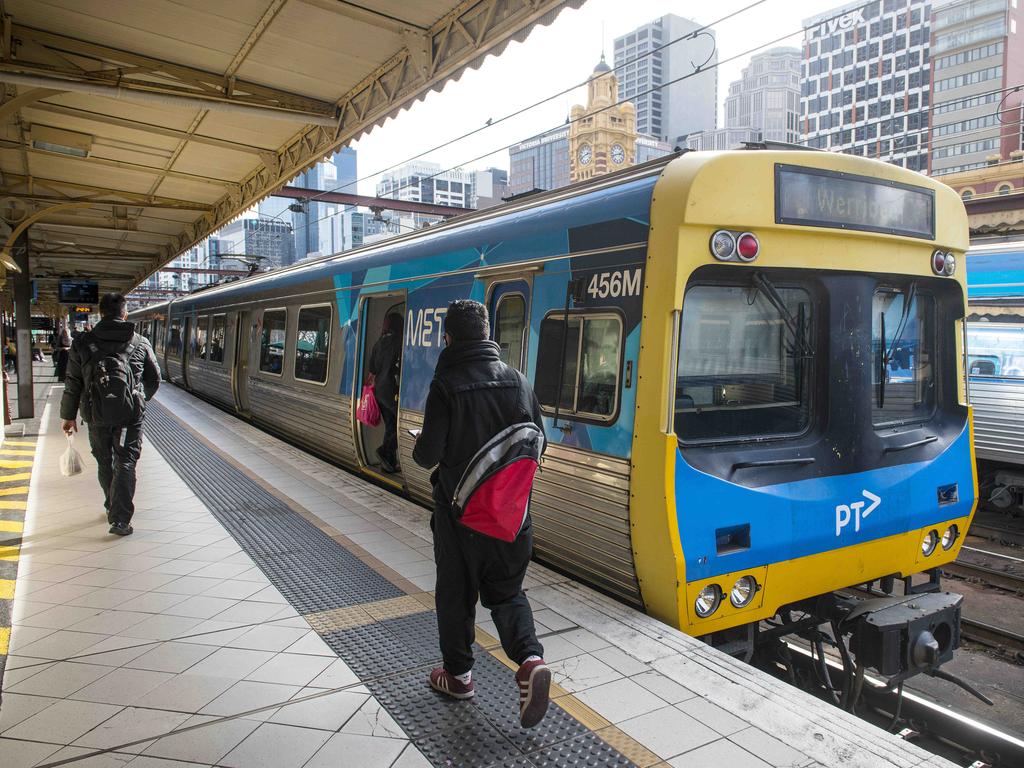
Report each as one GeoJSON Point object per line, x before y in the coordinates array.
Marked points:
{"type": "Point", "coordinates": [602, 135]}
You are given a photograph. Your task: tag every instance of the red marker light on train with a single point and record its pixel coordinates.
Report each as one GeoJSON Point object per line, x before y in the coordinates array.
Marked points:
{"type": "Point", "coordinates": [939, 262]}
{"type": "Point", "coordinates": [747, 247]}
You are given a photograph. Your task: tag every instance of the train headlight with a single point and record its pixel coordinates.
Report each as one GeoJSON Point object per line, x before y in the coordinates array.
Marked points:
{"type": "Point", "coordinates": [950, 536]}
{"type": "Point", "coordinates": [723, 245]}
{"type": "Point", "coordinates": [743, 591]}
{"type": "Point", "coordinates": [950, 265]}
{"type": "Point", "coordinates": [708, 600]}
{"type": "Point", "coordinates": [930, 542]}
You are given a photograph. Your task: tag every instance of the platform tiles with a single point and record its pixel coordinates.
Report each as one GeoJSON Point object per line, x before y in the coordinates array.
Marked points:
{"type": "Point", "coordinates": [274, 610]}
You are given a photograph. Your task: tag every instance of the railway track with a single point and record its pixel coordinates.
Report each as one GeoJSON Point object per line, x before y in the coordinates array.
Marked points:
{"type": "Point", "coordinates": [996, 569]}
{"type": "Point", "coordinates": [995, 528]}
{"type": "Point", "coordinates": [1005, 641]}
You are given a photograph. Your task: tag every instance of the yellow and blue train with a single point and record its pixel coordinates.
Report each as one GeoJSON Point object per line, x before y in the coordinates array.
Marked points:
{"type": "Point", "coordinates": [751, 365]}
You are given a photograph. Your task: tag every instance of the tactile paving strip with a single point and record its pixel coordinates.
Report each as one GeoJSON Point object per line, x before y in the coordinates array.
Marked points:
{"type": "Point", "coordinates": [313, 571]}
{"type": "Point", "coordinates": [390, 655]}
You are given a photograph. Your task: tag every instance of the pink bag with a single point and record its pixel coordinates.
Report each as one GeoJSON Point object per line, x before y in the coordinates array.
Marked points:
{"type": "Point", "coordinates": [368, 412]}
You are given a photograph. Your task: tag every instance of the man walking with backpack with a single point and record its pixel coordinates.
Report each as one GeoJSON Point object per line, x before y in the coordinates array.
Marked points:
{"type": "Point", "coordinates": [111, 372]}
{"type": "Point", "coordinates": [482, 427]}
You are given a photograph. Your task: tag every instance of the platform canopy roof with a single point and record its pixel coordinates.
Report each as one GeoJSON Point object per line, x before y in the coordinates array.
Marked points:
{"type": "Point", "coordinates": [132, 129]}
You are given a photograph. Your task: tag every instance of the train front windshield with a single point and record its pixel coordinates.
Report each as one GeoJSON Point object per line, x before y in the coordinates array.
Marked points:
{"type": "Point", "coordinates": [744, 360]}
{"type": "Point", "coordinates": [768, 355]}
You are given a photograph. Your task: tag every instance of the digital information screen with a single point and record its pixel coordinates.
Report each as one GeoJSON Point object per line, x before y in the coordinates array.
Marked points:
{"type": "Point", "coordinates": [78, 292]}
{"type": "Point", "coordinates": [812, 197]}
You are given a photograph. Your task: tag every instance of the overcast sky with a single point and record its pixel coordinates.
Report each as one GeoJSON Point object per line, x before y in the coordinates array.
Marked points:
{"type": "Point", "coordinates": [552, 59]}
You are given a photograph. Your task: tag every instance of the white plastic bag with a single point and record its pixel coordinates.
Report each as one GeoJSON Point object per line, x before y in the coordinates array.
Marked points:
{"type": "Point", "coordinates": [70, 460]}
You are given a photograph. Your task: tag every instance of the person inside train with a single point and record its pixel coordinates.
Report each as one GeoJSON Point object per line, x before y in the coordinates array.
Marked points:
{"type": "Point", "coordinates": [386, 367]}
{"type": "Point", "coordinates": [473, 397]}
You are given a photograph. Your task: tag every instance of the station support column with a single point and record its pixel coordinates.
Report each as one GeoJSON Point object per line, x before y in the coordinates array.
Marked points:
{"type": "Point", "coordinates": [23, 327]}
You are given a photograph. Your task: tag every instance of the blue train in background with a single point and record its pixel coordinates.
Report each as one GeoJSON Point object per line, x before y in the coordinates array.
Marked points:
{"type": "Point", "coordinates": [995, 346]}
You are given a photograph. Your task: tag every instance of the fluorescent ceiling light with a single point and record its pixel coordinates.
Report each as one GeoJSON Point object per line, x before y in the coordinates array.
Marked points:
{"type": "Point", "coordinates": [61, 142]}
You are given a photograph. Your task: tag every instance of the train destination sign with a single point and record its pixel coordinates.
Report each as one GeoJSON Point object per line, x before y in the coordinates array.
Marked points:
{"type": "Point", "coordinates": [813, 197]}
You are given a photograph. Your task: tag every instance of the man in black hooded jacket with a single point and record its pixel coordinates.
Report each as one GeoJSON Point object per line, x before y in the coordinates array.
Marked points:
{"type": "Point", "coordinates": [473, 397]}
{"type": "Point", "coordinates": [116, 449]}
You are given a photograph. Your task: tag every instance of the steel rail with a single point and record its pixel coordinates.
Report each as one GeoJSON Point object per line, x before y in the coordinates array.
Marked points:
{"type": "Point", "coordinates": [937, 721]}
{"type": "Point", "coordinates": [1014, 536]}
{"type": "Point", "coordinates": [993, 636]}
{"type": "Point", "coordinates": [1011, 582]}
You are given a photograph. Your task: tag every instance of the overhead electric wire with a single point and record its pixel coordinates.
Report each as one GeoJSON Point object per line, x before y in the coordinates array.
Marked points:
{"type": "Point", "coordinates": [688, 36]}
{"type": "Point", "coordinates": [699, 70]}
{"type": "Point", "coordinates": [590, 114]}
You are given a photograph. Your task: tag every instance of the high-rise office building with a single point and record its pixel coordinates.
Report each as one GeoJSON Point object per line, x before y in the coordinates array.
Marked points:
{"type": "Point", "coordinates": [426, 182]}
{"type": "Point", "coordinates": [647, 60]}
{"type": "Point", "coordinates": [866, 80]}
{"type": "Point", "coordinates": [541, 162]}
{"type": "Point", "coordinates": [489, 187]}
{"type": "Point", "coordinates": [763, 105]}
{"type": "Point", "coordinates": [313, 227]}
{"type": "Point", "coordinates": [977, 55]}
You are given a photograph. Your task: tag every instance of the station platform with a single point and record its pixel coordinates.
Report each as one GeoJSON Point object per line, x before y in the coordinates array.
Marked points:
{"type": "Point", "coordinates": [274, 610]}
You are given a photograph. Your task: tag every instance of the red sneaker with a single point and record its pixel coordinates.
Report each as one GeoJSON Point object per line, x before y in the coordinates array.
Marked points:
{"type": "Point", "coordinates": [444, 682]}
{"type": "Point", "coordinates": [534, 681]}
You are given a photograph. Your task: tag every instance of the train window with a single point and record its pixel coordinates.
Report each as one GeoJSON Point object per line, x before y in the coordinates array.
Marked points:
{"type": "Point", "coordinates": [510, 327]}
{"type": "Point", "coordinates": [739, 374]}
{"type": "Point", "coordinates": [272, 341]}
{"type": "Point", "coordinates": [590, 374]}
{"type": "Point", "coordinates": [158, 336]}
{"type": "Point", "coordinates": [995, 349]}
{"type": "Point", "coordinates": [313, 343]}
{"type": "Point", "coordinates": [174, 339]}
{"type": "Point", "coordinates": [217, 323]}
{"type": "Point", "coordinates": [903, 351]}
{"type": "Point", "coordinates": [201, 334]}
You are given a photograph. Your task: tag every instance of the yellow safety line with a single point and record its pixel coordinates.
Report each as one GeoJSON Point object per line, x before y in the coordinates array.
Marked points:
{"type": "Point", "coordinates": [12, 526]}
{"type": "Point", "coordinates": [6, 589]}
{"type": "Point", "coordinates": [16, 452]}
{"type": "Point", "coordinates": [8, 504]}
{"type": "Point", "coordinates": [14, 491]}
{"type": "Point", "coordinates": [11, 464]}
{"type": "Point", "coordinates": [18, 476]}
{"type": "Point", "coordinates": [5, 640]}
{"type": "Point", "coordinates": [19, 443]}
{"type": "Point", "coordinates": [9, 553]}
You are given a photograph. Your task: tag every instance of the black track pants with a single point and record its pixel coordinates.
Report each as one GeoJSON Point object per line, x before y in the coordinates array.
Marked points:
{"type": "Point", "coordinates": [117, 451]}
{"type": "Point", "coordinates": [469, 566]}
{"type": "Point", "coordinates": [389, 415]}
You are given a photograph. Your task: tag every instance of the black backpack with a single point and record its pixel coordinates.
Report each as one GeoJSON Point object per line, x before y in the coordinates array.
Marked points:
{"type": "Point", "coordinates": [112, 388]}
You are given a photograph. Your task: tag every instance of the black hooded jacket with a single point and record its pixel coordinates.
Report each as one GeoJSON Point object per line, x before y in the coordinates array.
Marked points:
{"type": "Point", "coordinates": [110, 335]}
{"type": "Point", "coordinates": [385, 358]}
{"type": "Point", "coordinates": [473, 397]}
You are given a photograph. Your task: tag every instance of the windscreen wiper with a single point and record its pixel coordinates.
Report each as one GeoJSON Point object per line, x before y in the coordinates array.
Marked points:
{"type": "Point", "coordinates": [801, 347]}
{"type": "Point", "coordinates": [889, 349]}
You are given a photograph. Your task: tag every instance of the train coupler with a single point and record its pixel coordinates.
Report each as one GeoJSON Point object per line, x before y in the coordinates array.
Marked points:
{"type": "Point", "coordinates": [903, 636]}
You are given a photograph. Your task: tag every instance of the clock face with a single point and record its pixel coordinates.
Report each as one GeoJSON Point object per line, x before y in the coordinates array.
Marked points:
{"type": "Point", "coordinates": [618, 154]}
{"type": "Point", "coordinates": [586, 154]}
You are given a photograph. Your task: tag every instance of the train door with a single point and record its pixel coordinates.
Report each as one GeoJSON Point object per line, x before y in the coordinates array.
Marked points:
{"type": "Point", "coordinates": [187, 349]}
{"type": "Point", "coordinates": [378, 445]}
{"type": "Point", "coordinates": [509, 308]}
{"type": "Point", "coordinates": [240, 367]}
